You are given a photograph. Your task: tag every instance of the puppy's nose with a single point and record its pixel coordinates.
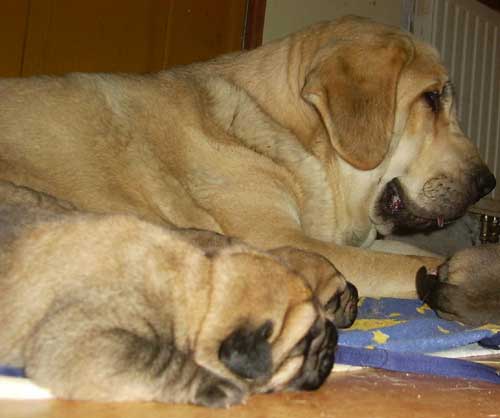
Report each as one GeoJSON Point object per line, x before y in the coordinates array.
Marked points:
{"type": "Point", "coordinates": [353, 290]}
{"type": "Point", "coordinates": [485, 182]}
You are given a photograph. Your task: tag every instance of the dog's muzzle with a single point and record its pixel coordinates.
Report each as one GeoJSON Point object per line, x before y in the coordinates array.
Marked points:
{"type": "Point", "coordinates": [440, 202]}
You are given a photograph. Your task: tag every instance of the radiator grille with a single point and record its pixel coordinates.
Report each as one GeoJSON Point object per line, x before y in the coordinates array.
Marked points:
{"type": "Point", "coordinates": [467, 35]}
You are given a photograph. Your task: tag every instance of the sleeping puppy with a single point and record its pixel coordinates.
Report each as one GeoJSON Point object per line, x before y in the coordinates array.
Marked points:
{"type": "Point", "coordinates": [113, 308]}
{"type": "Point", "coordinates": [466, 287]}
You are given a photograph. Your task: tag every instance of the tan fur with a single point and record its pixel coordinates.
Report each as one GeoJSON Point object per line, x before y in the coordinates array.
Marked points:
{"type": "Point", "coordinates": [466, 287]}
{"type": "Point", "coordinates": [291, 144]}
{"type": "Point", "coordinates": [110, 307]}
{"type": "Point", "coordinates": [345, 85]}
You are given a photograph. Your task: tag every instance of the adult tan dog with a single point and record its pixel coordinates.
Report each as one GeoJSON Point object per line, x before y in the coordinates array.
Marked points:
{"type": "Point", "coordinates": [109, 307]}
{"type": "Point", "coordinates": [320, 141]}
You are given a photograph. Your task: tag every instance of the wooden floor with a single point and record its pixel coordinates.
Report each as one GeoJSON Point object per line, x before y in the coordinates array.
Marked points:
{"type": "Point", "coordinates": [365, 393]}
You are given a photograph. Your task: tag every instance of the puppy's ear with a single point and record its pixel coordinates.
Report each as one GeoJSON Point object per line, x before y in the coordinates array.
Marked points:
{"type": "Point", "coordinates": [353, 85]}
{"type": "Point", "coordinates": [247, 353]}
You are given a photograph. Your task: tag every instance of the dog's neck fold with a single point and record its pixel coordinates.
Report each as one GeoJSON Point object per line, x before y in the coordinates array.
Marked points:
{"type": "Point", "coordinates": [277, 88]}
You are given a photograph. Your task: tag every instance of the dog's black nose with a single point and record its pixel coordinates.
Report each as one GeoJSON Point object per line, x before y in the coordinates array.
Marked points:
{"type": "Point", "coordinates": [485, 182]}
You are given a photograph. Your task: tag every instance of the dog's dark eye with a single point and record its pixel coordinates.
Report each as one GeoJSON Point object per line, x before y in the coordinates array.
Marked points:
{"type": "Point", "coordinates": [433, 99]}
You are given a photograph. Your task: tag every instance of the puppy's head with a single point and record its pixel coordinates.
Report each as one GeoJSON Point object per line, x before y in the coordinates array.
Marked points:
{"type": "Point", "coordinates": [266, 327]}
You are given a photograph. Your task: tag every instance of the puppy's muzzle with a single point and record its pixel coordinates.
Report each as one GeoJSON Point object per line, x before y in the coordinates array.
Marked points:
{"type": "Point", "coordinates": [342, 308]}
{"type": "Point", "coordinates": [349, 311]}
{"type": "Point", "coordinates": [319, 356]}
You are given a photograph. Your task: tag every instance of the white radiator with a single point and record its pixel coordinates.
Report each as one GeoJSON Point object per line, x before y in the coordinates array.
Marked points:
{"type": "Point", "coordinates": [467, 35]}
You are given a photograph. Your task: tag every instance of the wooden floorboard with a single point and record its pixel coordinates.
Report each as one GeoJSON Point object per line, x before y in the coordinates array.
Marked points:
{"type": "Point", "coordinates": [364, 393]}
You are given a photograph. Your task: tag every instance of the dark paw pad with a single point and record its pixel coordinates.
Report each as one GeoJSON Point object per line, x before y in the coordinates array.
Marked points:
{"type": "Point", "coordinates": [426, 284]}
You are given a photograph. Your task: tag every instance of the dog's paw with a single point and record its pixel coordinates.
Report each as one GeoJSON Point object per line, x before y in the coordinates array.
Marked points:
{"type": "Point", "coordinates": [466, 287]}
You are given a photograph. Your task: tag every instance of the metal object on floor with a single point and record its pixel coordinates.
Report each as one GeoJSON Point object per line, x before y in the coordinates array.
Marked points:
{"type": "Point", "coordinates": [489, 228]}
{"type": "Point", "coordinates": [488, 211]}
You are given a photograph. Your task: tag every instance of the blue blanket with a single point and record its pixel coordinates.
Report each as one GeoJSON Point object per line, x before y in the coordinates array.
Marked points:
{"type": "Point", "coordinates": [405, 325]}
{"type": "Point", "coordinates": [395, 325]}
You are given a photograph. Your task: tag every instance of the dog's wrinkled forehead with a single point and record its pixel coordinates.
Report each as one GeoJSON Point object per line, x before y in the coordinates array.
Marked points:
{"type": "Point", "coordinates": [361, 81]}
{"type": "Point", "coordinates": [424, 72]}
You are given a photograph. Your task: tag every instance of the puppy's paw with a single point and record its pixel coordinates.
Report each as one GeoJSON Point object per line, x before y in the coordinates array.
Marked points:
{"type": "Point", "coordinates": [215, 392]}
{"type": "Point", "coordinates": [466, 287]}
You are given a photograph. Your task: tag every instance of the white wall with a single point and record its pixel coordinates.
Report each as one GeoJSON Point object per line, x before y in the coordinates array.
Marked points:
{"type": "Point", "coordinates": [286, 16]}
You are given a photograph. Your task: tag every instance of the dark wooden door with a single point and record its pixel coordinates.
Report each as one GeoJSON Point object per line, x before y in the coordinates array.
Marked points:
{"type": "Point", "coordinates": [13, 19]}
{"type": "Point", "coordinates": [60, 36]}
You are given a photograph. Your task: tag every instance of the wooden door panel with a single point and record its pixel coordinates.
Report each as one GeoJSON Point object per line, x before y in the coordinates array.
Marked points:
{"type": "Point", "coordinates": [95, 35]}
{"type": "Point", "coordinates": [128, 35]}
{"type": "Point", "coordinates": [13, 18]}
{"type": "Point", "coordinates": [60, 36]}
{"type": "Point", "coordinates": [201, 29]}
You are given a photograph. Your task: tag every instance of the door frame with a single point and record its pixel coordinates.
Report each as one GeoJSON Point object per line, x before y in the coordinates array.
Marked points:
{"type": "Point", "coordinates": [254, 24]}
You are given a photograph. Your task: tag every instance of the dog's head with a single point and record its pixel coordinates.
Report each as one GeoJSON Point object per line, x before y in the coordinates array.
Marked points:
{"type": "Point", "coordinates": [271, 323]}
{"type": "Point", "coordinates": [388, 107]}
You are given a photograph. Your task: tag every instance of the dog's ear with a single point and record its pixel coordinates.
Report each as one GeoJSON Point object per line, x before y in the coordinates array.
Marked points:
{"type": "Point", "coordinates": [353, 86]}
{"type": "Point", "coordinates": [247, 352]}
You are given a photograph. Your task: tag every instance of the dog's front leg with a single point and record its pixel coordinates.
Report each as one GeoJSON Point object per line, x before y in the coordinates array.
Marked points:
{"type": "Point", "coordinates": [374, 273]}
